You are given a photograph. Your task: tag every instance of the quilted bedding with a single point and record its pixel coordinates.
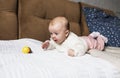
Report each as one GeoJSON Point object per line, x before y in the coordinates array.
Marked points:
{"type": "Point", "coordinates": [50, 64]}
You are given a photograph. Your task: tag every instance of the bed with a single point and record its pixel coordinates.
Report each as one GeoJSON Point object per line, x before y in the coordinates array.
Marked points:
{"type": "Point", "coordinates": [51, 63]}
{"type": "Point", "coordinates": [29, 28]}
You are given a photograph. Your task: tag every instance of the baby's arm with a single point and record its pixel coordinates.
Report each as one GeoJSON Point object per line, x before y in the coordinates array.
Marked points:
{"type": "Point", "coordinates": [45, 44]}
{"type": "Point", "coordinates": [48, 45]}
{"type": "Point", "coordinates": [78, 49]}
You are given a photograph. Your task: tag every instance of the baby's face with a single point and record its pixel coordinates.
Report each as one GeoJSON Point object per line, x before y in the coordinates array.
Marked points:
{"type": "Point", "coordinates": [58, 33]}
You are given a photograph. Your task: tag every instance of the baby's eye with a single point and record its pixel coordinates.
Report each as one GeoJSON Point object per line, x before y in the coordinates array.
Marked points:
{"type": "Point", "coordinates": [50, 33]}
{"type": "Point", "coordinates": [56, 33]}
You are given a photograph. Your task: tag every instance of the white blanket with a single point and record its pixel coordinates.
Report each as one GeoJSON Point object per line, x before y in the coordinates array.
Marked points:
{"type": "Point", "coordinates": [49, 64]}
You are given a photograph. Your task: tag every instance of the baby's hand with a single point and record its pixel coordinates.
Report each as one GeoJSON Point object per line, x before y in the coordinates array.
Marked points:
{"type": "Point", "coordinates": [71, 52]}
{"type": "Point", "coordinates": [45, 44]}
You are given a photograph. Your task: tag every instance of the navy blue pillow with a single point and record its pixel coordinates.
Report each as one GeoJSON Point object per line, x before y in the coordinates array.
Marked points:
{"type": "Point", "coordinates": [107, 25]}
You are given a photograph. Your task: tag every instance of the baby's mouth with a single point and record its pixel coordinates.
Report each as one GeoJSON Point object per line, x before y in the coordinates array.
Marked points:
{"type": "Point", "coordinates": [55, 40]}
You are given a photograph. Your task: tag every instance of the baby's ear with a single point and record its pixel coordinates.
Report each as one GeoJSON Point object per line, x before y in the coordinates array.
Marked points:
{"type": "Point", "coordinates": [67, 32]}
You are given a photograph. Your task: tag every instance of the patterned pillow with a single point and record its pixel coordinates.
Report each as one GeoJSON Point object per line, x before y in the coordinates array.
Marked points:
{"type": "Point", "coordinates": [106, 24]}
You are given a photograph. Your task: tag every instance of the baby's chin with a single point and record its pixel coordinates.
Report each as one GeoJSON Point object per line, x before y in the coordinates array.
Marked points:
{"type": "Point", "coordinates": [59, 43]}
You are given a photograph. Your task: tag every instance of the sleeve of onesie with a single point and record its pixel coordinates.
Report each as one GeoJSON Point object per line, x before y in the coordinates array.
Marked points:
{"type": "Point", "coordinates": [51, 45]}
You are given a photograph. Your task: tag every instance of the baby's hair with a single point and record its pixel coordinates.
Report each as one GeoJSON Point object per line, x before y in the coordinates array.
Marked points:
{"type": "Point", "coordinates": [68, 25]}
{"type": "Point", "coordinates": [62, 20]}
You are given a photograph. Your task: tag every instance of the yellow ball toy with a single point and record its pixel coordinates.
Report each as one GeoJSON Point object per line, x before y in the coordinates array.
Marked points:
{"type": "Point", "coordinates": [26, 50]}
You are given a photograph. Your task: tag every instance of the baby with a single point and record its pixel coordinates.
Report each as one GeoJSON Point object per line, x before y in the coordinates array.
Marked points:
{"type": "Point", "coordinates": [62, 39]}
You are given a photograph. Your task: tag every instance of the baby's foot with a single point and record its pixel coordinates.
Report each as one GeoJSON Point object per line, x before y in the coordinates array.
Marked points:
{"type": "Point", "coordinates": [95, 34]}
{"type": "Point", "coordinates": [104, 38]}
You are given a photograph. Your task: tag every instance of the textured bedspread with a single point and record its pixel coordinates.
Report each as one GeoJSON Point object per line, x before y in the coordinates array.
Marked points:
{"type": "Point", "coordinates": [111, 54]}
{"type": "Point", "coordinates": [49, 64]}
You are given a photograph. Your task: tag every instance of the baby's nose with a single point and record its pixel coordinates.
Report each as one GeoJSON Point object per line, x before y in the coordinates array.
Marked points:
{"type": "Point", "coordinates": [53, 35]}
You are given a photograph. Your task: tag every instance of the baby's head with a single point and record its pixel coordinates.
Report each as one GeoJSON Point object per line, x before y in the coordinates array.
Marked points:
{"type": "Point", "coordinates": [59, 29]}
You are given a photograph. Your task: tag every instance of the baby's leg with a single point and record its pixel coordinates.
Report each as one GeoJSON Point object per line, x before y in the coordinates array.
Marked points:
{"type": "Point", "coordinates": [100, 43]}
{"type": "Point", "coordinates": [101, 40]}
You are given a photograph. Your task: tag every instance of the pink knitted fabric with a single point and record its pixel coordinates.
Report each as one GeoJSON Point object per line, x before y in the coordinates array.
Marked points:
{"type": "Point", "coordinates": [96, 41]}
